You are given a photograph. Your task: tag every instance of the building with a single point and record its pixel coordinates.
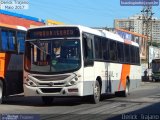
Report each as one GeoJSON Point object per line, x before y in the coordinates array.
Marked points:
{"type": "Point", "coordinates": [24, 20]}
{"type": "Point", "coordinates": [135, 24]}
{"type": "Point", "coordinates": [19, 19]}
{"type": "Point", "coordinates": [156, 31]}
{"type": "Point", "coordinates": [53, 22]}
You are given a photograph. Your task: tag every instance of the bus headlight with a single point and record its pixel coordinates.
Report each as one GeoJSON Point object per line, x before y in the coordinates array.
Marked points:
{"type": "Point", "coordinates": [30, 83]}
{"type": "Point", "coordinates": [72, 81]}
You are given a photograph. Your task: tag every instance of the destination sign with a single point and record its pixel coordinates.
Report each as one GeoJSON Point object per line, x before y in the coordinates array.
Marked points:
{"type": "Point", "coordinates": [53, 32]}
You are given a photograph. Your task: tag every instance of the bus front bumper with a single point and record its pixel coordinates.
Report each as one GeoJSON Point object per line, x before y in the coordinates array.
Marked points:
{"type": "Point", "coordinates": [51, 91]}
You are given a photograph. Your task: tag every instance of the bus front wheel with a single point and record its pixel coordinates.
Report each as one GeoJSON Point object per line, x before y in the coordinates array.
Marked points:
{"type": "Point", "coordinates": [96, 93]}
{"type": "Point", "coordinates": [47, 100]}
{"type": "Point", "coordinates": [1, 91]}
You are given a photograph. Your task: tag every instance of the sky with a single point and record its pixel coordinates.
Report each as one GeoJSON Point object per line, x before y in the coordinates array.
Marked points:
{"type": "Point", "coordinates": [91, 13]}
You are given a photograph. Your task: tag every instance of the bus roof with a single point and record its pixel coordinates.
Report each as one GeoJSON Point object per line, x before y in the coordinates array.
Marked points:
{"type": "Point", "coordinates": [98, 32]}
{"type": "Point", "coordinates": [13, 27]}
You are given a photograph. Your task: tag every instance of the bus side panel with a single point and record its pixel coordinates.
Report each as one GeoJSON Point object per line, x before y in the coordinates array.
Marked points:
{"type": "Point", "coordinates": [110, 74]}
{"type": "Point", "coordinates": [14, 75]}
{"type": "Point", "coordinates": [88, 80]}
{"type": "Point", "coordinates": [135, 76]}
{"type": "Point", "coordinates": [123, 71]}
{"type": "Point", "coordinates": [101, 71]}
{"type": "Point", "coordinates": [114, 77]}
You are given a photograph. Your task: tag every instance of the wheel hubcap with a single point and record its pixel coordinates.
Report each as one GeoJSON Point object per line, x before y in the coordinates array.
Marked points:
{"type": "Point", "coordinates": [97, 91]}
{"type": "Point", "coordinates": [127, 89]}
{"type": "Point", "coordinates": [0, 92]}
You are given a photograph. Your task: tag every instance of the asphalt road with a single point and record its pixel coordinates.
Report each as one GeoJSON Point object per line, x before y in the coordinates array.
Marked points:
{"type": "Point", "coordinates": [142, 103]}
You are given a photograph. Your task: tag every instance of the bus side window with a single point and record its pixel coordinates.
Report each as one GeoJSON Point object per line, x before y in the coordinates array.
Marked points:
{"type": "Point", "coordinates": [98, 47]}
{"type": "Point", "coordinates": [4, 39]}
{"type": "Point", "coordinates": [120, 50]}
{"type": "Point", "coordinates": [113, 51]}
{"type": "Point", "coordinates": [127, 53]}
{"type": "Point", "coordinates": [105, 43]}
{"type": "Point", "coordinates": [20, 42]}
{"type": "Point", "coordinates": [11, 41]}
{"type": "Point", "coordinates": [87, 50]}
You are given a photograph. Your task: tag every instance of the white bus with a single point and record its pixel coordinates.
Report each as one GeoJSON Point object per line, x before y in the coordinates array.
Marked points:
{"type": "Point", "coordinates": [73, 60]}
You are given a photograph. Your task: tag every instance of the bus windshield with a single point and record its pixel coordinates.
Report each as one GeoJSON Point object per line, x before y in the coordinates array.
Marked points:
{"type": "Point", "coordinates": [156, 66]}
{"type": "Point", "coordinates": [52, 56]}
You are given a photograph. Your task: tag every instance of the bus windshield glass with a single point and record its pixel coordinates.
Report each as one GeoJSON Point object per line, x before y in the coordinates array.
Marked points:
{"type": "Point", "coordinates": [156, 66]}
{"type": "Point", "coordinates": [52, 56]}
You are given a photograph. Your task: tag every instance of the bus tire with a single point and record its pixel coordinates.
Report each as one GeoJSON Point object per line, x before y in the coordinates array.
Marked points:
{"type": "Point", "coordinates": [96, 93]}
{"type": "Point", "coordinates": [47, 100]}
{"type": "Point", "coordinates": [125, 93]}
{"type": "Point", "coordinates": [1, 91]}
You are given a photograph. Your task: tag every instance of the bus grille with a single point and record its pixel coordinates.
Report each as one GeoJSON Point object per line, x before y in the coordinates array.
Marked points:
{"type": "Point", "coordinates": [51, 78]}
{"type": "Point", "coordinates": [48, 84]}
{"type": "Point", "coordinates": [50, 90]}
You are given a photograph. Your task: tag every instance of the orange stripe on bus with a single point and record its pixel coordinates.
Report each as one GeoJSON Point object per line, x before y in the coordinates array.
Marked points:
{"type": "Point", "coordinates": [4, 62]}
{"type": "Point", "coordinates": [2, 65]}
{"type": "Point", "coordinates": [125, 72]}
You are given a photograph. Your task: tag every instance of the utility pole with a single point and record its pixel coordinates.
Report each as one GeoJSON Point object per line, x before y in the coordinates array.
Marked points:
{"type": "Point", "coordinates": [147, 27]}
{"type": "Point", "coordinates": [146, 20]}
